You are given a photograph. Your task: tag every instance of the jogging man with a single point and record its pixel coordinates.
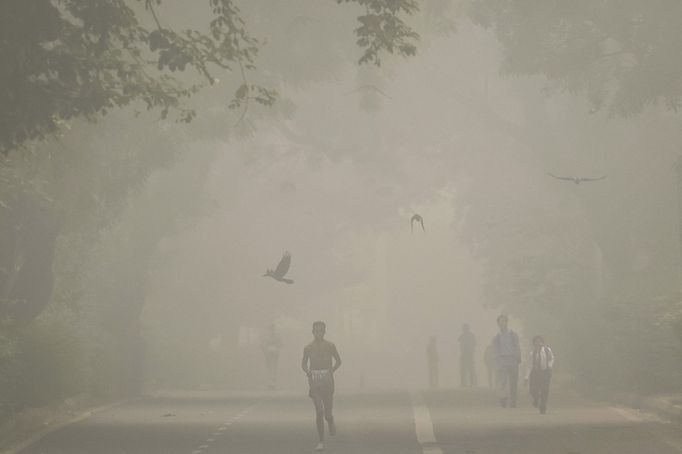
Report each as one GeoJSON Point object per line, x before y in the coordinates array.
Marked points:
{"type": "Point", "coordinates": [317, 364]}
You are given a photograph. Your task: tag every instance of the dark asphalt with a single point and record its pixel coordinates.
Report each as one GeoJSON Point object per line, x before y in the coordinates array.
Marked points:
{"type": "Point", "coordinates": [464, 422]}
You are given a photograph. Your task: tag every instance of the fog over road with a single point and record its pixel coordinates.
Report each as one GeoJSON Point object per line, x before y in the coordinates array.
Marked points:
{"type": "Point", "coordinates": [463, 422]}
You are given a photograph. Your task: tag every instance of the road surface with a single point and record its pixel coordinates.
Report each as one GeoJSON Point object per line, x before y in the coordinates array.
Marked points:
{"type": "Point", "coordinates": [447, 422]}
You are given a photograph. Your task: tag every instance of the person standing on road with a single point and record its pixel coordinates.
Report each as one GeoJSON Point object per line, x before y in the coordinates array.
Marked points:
{"type": "Point", "coordinates": [490, 363]}
{"type": "Point", "coordinates": [508, 354]}
{"type": "Point", "coordinates": [432, 361]}
{"type": "Point", "coordinates": [271, 345]}
{"type": "Point", "coordinates": [317, 365]}
{"type": "Point", "coordinates": [539, 375]}
{"type": "Point", "coordinates": [467, 346]}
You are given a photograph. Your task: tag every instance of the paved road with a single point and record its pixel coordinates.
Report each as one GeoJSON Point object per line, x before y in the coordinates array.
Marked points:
{"type": "Point", "coordinates": [448, 422]}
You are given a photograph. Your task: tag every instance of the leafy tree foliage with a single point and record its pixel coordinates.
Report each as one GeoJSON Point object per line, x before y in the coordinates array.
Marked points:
{"type": "Point", "coordinates": [77, 58]}
{"type": "Point", "coordinates": [382, 30]}
{"type": "Point", "coordinates": [620, 53]}
{"type": "Point", "coordinates": [81, 58]}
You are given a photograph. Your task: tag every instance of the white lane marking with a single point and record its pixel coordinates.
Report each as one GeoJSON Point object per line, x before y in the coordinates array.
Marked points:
{"type": "Point", "coordinates": [224, 427]}
{"type": "Point", "coordinates": [630, 415]}
{"type": "Point", "coordinates": [423, 425]}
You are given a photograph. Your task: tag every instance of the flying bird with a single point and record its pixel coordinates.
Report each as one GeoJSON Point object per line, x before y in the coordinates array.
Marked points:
{"type": "Point", "coordinates": [418, 219]}
{"type": "Point", "coordinates": [576, 180]}
{"type": "Point", "coordinates": [281, 270]}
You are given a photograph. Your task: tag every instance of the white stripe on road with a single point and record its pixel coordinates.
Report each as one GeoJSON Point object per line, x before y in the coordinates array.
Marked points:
{"type": "Point", "coordinates": [630, 415]}
{"type": "Point", "coordinates": [423, 425]}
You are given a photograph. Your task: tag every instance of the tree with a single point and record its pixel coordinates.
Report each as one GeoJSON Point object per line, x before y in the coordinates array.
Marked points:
{"type": "Point", "coordinates": [71, 59]}
{"type": "Point", "coordinates": [619, 53]}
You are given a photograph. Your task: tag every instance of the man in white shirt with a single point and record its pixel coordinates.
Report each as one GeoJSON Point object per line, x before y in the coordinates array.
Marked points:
{"type": "Point", "coordinates": [539, 374]}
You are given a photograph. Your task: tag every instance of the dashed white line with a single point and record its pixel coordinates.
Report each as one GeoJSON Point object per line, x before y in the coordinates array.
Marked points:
{"type": "Point", "coordinates": [223, 428]}
{"type": "Point", "coordinates": [423, 425]}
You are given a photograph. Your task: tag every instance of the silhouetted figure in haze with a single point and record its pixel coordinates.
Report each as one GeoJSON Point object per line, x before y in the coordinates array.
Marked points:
{"type": "Point", "coordinates": [539, 375]}
{"type": "Point", "coordinates": [281, 270]}
{"type": "Point", "coordinates": [490, 363]}
{"type": "Point", "coordinates": [317, 364]}
{"type": "Point", "coordinates": [467, 346]}
{"type": "Point", "coordinates": [576, 180]}
{"type": "Point", "coordinates": [432, 361]}
{"type": "Point", "coordinates": [419, 219]}
{"type": "Point", "coordinates": [271, 344]}
{"type": "Point", "coordinates": [508, 354]}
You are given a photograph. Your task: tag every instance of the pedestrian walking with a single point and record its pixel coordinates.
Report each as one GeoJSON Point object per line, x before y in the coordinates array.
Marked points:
{"type": "Point", "coordinates": [490, 364]}
{"type": "Point", "coordinates": [467, 346]}
{"type": "Point", "coordinates": [539, 374]}
{"type": "Point", "coordinates": [271, 344]}
{"type": "Point", "coordinates": [508, 355]}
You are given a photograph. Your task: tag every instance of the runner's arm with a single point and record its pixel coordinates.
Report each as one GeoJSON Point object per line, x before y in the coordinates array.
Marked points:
{"type": "Point", "coordinates": [304, 362]}
{"type": "Point", "coordinates": [337, 359]}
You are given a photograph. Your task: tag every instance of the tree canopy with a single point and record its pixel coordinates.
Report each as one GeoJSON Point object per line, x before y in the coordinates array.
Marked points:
{"type": "Point", "coordinates": [70, 59]}
{"type": "Point", "coordinates": [619, 53]}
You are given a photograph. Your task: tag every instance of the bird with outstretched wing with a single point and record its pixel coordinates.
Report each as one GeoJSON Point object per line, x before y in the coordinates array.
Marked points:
{"type": "Point", "coordinates": [576, 180]}
{"type": "Point", "coordinates": [281, 270]}
{"type": "Point", "coordinates": [419, 219]}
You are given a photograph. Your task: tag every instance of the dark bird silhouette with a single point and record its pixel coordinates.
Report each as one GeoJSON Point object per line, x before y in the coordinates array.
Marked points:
{"type": "Point", "coordinates": [418, 219]}
{"type": "Point", "coordinates": [281, 270]}
{"type": "Point", "coordinates": [576, 180]}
